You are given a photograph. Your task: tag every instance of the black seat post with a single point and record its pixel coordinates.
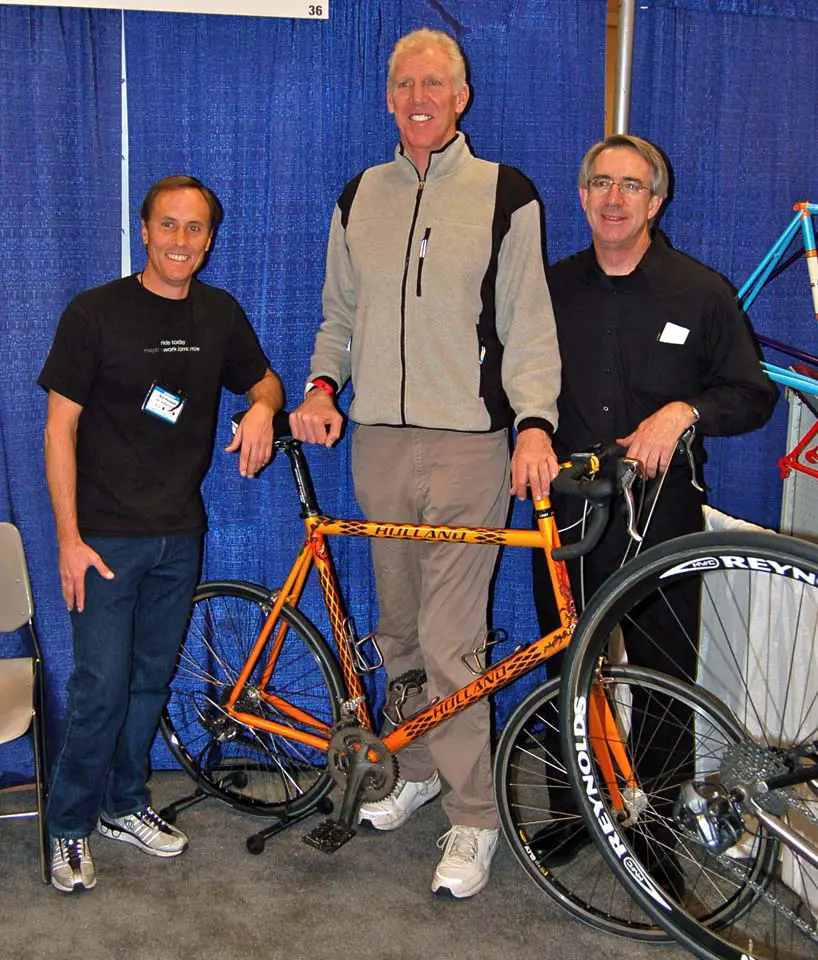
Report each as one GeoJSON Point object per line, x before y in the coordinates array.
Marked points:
{"type": "Point", "coordinates": [301, 475]}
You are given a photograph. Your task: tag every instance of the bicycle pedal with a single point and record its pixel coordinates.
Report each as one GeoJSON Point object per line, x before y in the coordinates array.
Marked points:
{"type": "Point", "coordinates": [329, 835]}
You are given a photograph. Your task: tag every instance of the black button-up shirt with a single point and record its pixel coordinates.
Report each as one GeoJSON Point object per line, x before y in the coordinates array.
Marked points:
{"type": "Point", "coordinates": [670, 330]}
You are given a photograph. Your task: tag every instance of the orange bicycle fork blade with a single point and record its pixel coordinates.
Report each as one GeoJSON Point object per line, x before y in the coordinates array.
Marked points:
{"type": "Point", "coordinates": [608, 746]}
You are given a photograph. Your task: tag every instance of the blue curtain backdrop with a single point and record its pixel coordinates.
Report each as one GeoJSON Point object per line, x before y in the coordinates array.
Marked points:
{"type": "Point", "coordinates": [59, 234]}
{"type": "Point", "coordinates": [276, 115]}
{"type": "Point", "coordinates": [729, 89]}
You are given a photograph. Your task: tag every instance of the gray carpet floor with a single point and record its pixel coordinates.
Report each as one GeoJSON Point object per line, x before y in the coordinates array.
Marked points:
{"type": "Point", "coordinates": [370, 900]}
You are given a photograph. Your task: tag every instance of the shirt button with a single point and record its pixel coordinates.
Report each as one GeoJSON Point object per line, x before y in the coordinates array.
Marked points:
{"type": "Point", "coordinates": [609, 330]}
{"type": "Point", "coordinates": [605, 409]}
{"type": "Point", "coordinates": [607, 370]}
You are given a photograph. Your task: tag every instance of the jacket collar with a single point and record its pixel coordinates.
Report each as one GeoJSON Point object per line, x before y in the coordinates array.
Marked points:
{"type": "Point", "coordinates": [449, 159]}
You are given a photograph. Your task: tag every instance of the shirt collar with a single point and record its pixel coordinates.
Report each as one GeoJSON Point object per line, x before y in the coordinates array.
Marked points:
{"type": "Point", "coordinates": [648, 273]}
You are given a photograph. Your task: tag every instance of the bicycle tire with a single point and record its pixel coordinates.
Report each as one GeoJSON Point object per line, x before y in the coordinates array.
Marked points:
{"type": "Point", "coordinates": [250, 769]}
{"type": "Point", "coordinates": [754, 588]}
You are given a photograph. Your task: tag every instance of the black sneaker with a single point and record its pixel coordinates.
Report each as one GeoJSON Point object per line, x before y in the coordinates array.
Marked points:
{"type": "Point", "coordinates": [72, 866]}
{"type": "Point", "coordinates": [144, 829]}
{"type": "Point", "coordinates": [559, 841]}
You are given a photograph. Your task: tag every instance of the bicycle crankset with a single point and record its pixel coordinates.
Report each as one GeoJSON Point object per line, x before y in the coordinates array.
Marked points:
{"type": "Point", "coordinates": [351, 746]}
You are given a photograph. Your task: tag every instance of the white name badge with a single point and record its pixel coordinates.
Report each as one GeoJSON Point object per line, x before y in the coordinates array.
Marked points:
{"type": "Point", "coordinates": [673, 333]}
{"type": "Point", "coordinates": [163, 403]}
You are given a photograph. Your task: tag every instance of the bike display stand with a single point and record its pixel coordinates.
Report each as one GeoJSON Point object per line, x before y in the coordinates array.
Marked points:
{"type": "Point", "coordinates": [255, 842]}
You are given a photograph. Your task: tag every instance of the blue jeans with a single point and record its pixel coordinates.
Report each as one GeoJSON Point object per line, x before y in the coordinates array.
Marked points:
{"type": "Point", "coordinates": [125, 646]}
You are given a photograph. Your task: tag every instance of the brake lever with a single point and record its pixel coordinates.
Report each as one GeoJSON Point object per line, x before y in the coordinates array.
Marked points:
{"type": "Point", "coordinates": [628, 472]}
{"type": "Point", "coordinates": [686, 444]}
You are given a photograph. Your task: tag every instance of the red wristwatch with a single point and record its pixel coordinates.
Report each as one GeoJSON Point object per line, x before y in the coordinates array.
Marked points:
{"type": "Point", "coordinates": [321, 384]}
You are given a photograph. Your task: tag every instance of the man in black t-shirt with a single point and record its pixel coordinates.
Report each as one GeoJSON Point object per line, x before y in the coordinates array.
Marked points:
{"type": "Point", "coordinates": [134, 377]}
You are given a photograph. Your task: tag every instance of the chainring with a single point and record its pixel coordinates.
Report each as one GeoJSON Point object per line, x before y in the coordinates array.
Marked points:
{"type": "Point", "coordinates": [351, 744]}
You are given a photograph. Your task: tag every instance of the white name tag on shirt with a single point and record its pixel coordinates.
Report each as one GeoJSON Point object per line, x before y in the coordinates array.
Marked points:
{"type": "Point", "coordinates": [164, 403]}
{"type": "Point", "coordinates": [673, 333]}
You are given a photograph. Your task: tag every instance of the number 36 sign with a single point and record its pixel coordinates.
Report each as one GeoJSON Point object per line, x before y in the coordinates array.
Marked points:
{"type": "Point", "coordinates": [249, 8]}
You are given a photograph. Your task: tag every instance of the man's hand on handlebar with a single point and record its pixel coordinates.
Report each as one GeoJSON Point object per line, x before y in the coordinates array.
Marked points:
{"type": "Point", "coordinates": [317, 419]}
{"type": "Point", "coordinates": [253, 437]}
{"type": "Point", "coordinates": [654, 441]}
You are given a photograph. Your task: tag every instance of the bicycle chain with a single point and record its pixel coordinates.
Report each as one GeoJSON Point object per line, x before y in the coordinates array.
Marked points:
{"type": "Point", "coordinates": [809, 930]}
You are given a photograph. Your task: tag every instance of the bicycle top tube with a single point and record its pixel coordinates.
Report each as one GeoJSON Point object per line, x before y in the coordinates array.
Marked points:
{"type": "Point", "coordinates": [578, 477]}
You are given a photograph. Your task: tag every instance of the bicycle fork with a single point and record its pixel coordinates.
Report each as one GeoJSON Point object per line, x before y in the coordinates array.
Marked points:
{"type": "Point", "coordinates": [597, 737]}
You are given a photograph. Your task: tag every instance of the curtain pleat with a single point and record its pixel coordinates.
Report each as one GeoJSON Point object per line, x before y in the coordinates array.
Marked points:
{"type": "Point", "coordinates": [59, 234]}
{"type": "Point", "coordinates": [728, 89]}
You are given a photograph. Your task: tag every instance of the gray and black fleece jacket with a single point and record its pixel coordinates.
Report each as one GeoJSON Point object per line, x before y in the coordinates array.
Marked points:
{"type": "Point", "coordinates": [435, 300]}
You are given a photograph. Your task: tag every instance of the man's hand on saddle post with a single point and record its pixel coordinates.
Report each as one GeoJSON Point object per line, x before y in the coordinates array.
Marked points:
{"type": "Point", "coordinates": [254, 438]}
{"type": "Point", "coordinates": [317, 419]}
{"type": "Point", "coordinates": [533, 464]}
{"type": "Point", "coordinates": [654, 441]}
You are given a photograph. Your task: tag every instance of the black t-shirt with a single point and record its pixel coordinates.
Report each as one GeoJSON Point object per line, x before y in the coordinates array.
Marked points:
{"type": "Point", "coordinates": [138, 475]}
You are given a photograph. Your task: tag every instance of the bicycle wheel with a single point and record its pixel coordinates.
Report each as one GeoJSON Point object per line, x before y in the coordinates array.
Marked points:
{"type": "Point", "coordinates": [686, 845]}
{"type": "Point", "coordinates": [532, 791]}
{"type": "Point", "coordinates": [250, 769]}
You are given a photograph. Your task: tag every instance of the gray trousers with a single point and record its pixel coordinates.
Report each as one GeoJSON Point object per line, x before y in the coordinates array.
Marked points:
{"type": "Point", "coordinates": [433, 596]}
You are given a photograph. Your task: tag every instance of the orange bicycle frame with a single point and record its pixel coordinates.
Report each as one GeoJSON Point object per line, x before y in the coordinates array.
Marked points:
{"type": "Point", "coordinates": [608, 745]}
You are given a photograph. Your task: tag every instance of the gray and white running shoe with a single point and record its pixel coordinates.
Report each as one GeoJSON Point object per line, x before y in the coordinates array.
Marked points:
{"type": "Point", "coordinates": [144, 829]}
{"type": "Point", "coordinates": [72, 866]}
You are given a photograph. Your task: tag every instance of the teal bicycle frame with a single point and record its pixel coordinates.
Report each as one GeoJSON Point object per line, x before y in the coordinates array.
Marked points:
{"type": "Point", "coordinates": [758, 278]}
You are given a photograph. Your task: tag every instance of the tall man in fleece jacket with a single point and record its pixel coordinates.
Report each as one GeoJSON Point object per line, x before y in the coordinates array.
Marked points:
{"type": "Point", "coordinates": [436, 307]}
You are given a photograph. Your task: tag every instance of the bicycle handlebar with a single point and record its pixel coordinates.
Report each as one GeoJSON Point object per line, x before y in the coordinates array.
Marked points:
{"type": "Point", "coordinates": [579, 478]}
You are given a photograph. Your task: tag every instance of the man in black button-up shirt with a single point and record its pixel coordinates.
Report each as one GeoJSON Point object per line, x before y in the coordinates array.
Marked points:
{"type": "Point", "coordinates": [652, 342]}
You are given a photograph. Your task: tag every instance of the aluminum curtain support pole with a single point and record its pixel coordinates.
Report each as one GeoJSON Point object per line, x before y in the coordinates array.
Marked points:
{"type": "Point", "coordinates": [624, 66]}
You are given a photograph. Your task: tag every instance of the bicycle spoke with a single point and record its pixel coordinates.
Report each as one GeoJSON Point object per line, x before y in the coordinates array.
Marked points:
{"type": "Point", "coordinates": [249, 767]}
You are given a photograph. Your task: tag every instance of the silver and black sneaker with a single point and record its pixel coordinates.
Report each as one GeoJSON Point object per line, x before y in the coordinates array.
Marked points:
{"type": "Point", "coordinates": [144, 829]}
{"type": "Point", "coordinates": [72, 866]}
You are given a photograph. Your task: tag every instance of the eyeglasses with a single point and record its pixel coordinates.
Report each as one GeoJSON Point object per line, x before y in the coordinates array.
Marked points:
{"type": "Point", "coordinates": [627, 186]}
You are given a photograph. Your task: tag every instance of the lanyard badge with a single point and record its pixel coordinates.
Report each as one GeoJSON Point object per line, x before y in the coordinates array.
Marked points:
{"type": "Point", "coordinates": [164, 403]}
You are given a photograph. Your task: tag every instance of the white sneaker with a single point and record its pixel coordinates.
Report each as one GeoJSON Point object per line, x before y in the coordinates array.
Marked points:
{"type": "Point", "coordinates": [145, 830]}
{"type": "Point", "coordinates": [467, 853]}
{"type": "Point", "coordinates": [406, 797]}
{"type": "Point", "coordinates": [72, 866]}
